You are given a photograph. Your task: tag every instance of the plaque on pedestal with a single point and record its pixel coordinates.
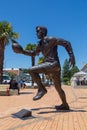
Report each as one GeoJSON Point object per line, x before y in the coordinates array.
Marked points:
{"type": "Point", "coordinates": [23, 113]}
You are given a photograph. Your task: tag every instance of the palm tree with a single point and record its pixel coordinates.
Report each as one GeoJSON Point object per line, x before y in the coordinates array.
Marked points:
{"type": "Point", "coordinates": [41, 60]}
{"type": "Point", "coordinates": [31, 47]}
{"type": "Point", "coordinates": [6, 34]}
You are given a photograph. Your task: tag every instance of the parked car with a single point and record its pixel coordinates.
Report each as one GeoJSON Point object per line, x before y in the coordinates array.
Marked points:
{"type": "Point", "coordinates": [6, 79]}
{"type": "Point", "coordinates": [28, 84]}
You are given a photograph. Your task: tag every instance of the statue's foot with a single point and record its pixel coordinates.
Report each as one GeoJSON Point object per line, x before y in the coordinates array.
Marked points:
{"type": "Point", "coordinates": [62, 107]}
{"type": "Point", "coordinates": [40, 94]}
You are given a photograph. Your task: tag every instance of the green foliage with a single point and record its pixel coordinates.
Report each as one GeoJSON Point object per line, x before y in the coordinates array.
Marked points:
{"type": "Point", "coordinates": [25, 70]}
{"type": "Point", "coordinates": [6, 32]}
{"type": "Point", "coordinates": [30, 46]}
{"type": "Point", "coordinates": [68, 72]}
{"type": "Point", "coordinates": [65, 80]}
{"type": "Point", "coordinates": [41, 60]}
{"type": "Point", "coordinates": [11, 75]}
{"type": "Point", "coordinates": [74, 70]}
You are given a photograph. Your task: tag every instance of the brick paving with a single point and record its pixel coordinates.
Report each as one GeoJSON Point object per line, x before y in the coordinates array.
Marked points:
{"type": "Point", "coordinates": [44, 115]}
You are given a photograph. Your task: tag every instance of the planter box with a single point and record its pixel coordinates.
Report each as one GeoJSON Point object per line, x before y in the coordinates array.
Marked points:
{"type": "Point", "coordinates": [13, 92]}
{"type": "Point", "coordinates": [3, 93]}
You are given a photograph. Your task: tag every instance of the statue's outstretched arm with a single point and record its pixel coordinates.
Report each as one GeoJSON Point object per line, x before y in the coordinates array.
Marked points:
{"type": "Point", "coordinates": [17, 48]}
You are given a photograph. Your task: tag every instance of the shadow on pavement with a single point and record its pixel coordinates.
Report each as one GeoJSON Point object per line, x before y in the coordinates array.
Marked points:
{"type": "Point", "coordinates": [26, 92]}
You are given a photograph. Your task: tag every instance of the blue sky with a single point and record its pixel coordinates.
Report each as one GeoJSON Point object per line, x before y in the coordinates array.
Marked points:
{"type": "Point", "coordinates": [64, 18]}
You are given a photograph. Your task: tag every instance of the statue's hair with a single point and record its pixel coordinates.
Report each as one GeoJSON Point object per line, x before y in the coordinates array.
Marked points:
{"type": "Point", "coordinates": [43, 28]}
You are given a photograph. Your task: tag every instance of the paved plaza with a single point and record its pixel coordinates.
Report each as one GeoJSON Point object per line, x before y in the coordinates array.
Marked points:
{"type": "Point", "coordinates": [44, 115]}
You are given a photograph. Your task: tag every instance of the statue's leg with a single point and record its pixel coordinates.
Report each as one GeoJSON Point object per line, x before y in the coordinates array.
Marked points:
{"type": "Point", "coordinates": [41, 88]}
{"type": "Point", "coordinates": [57, 82]}
{"type": "Point", "coordinates": [36, 78]}
{"type": "Point", "coordinates": [34, 72]}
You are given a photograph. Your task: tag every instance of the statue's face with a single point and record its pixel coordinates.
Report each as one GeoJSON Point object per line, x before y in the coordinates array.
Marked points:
{"type": "Point", "coordinates": [40, 33]}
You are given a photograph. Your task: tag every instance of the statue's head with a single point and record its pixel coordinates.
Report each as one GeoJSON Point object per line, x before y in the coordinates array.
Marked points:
{"type": "Point", "coordinates": [41, 31]}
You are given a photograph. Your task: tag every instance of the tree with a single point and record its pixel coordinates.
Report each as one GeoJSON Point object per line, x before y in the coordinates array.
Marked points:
{"type": "Point", "coordinates": [11, 74]}
{"type": "Point", "coordinates": [66, 74]}
{"type": "Point", "coordinates": [31, 47]}
{"type": "Point", "coordinates": [74, 70]}
{"type": "Point", "coordinates": [6, 34]}
{"type": "Point", "coordinates": [41, 60]}
{"type": "Point", "coordinates": [25, 70]}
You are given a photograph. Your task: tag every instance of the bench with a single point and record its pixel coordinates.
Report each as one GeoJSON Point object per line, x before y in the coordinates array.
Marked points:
{"type": "Point", "coordinates": [4, 91]}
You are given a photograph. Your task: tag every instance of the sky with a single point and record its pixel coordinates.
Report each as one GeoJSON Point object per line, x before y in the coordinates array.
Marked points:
{"type": "Point", "coordinates": [65, 19]}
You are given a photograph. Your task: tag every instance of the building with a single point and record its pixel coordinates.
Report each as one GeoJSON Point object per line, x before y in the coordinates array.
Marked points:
{"type": "Point", "coordinates": [84, 68]}
{"type": "Point", "coordinates": [16, 71]}
{"type": "Point", "coordinates": [80, 78]}
{"type": "Point", "coordinates": [19, 74]}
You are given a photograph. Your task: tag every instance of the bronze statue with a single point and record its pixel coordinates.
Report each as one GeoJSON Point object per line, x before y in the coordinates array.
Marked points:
{"type": "Point", "coordinates": [48, 46]}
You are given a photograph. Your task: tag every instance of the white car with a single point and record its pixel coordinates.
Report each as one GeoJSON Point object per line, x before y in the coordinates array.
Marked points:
{"type": "Point", "coordinates": [29, 84]}
{"type": "Point", "coordinates": [6, 79]}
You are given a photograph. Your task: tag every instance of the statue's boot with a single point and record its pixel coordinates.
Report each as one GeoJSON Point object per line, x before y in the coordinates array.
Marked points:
{"type": "Point", "coordinates": [40, 94]}
{"type": "Point", "coordinates": [62, 107]}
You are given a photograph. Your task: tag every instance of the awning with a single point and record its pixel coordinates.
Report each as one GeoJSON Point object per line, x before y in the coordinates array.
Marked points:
{"type": "Point", "coordinates": [80, 74]}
